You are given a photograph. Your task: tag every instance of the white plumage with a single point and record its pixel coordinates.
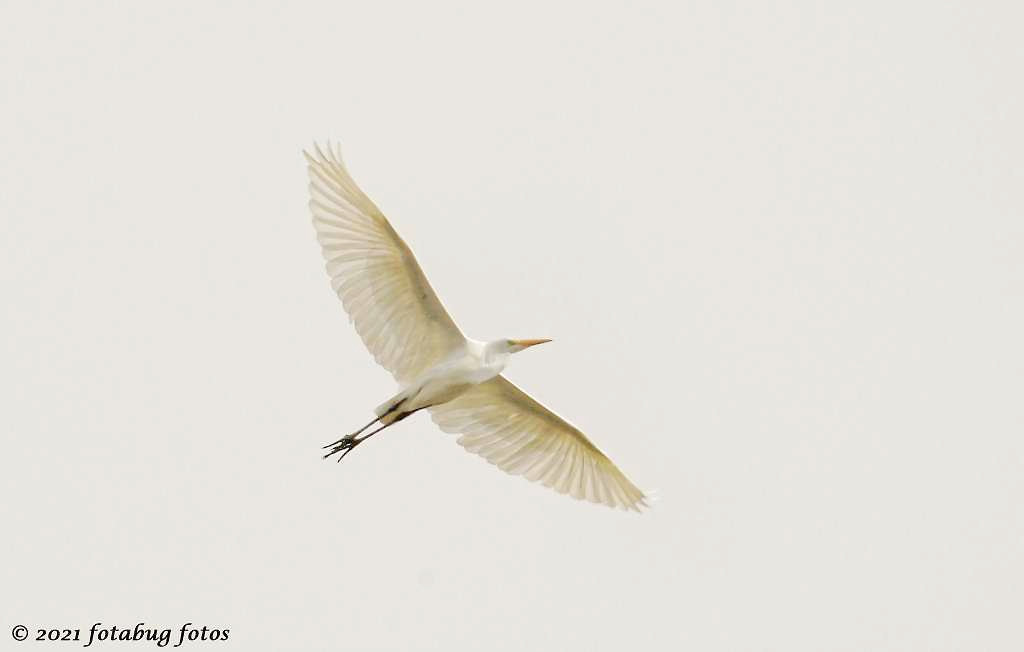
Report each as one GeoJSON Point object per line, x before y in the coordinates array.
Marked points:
{"type": "Point", "coordinates": [404, 325]}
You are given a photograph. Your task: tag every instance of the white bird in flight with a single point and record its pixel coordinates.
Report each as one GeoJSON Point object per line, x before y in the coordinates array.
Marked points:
{"type": "Point", "coordinates": [408, 331]}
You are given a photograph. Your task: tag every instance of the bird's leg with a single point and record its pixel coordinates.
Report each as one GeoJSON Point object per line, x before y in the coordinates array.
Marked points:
{"type": "Point", "coordinates": [353, 435]}
{"type": "Point", "coordinates": [346, 444]}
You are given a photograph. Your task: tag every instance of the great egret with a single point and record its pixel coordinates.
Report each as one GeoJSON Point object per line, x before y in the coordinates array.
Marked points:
{"type": "Point", "coordinates": [408, 331]}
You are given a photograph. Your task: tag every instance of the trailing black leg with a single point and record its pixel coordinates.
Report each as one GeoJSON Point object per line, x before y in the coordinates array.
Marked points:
{"type": "Point", "coordinates": [335, 443]}
{"type": "Point", "coordinates": [348, 442]}
{"type": "Point", "coordinates": [345, 445]}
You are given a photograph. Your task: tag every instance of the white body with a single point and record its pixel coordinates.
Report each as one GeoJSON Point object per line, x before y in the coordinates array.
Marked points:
{"type": "Point", "coordinates": [469, 365]}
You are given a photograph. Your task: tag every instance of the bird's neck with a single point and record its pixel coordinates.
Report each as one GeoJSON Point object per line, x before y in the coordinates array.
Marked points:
{"type": "Point", "coordinates": [496, 353]}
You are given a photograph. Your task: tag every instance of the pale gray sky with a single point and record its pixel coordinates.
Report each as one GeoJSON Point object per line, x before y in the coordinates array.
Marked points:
{"type": "Point", "coordinates": [779, 247]}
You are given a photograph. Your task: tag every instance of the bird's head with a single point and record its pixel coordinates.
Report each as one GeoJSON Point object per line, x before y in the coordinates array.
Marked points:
{"type": "Point", "coordinates": [515, 346]}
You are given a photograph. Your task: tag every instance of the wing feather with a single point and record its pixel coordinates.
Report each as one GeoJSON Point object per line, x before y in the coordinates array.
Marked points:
{"type": "Point", "coordinates": [388, 298]}
{"type": "Point", "coordinates": [508, 428]}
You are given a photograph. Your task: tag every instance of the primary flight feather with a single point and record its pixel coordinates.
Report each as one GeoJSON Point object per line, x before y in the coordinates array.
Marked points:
{"type": "Point", "coordinates": [409, 332]}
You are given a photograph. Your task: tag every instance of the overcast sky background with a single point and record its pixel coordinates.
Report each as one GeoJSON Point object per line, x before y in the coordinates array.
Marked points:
{"type": "Point", "coordinates": [778, 245]}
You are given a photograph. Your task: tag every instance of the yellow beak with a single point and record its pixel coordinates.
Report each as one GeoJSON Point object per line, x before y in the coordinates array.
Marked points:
{"type": "Point", "coordinates": [528, 343]}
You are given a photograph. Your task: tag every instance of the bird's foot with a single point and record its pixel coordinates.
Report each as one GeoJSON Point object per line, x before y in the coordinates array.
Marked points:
{"type": "Point", "coordinates": [345, 445]}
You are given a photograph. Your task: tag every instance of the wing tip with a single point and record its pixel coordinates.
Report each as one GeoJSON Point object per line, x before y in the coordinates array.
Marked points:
{"type": "Point", "coordinates": [333, 154]}
{"type": "Point", "coordinates": [647, 500]}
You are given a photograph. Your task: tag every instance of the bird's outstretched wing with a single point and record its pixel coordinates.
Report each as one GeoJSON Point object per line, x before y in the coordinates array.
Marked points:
{"type": "Point", "coordinates": [500, 422]}
{"type": "Point", "coordinates": [383, 289]}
